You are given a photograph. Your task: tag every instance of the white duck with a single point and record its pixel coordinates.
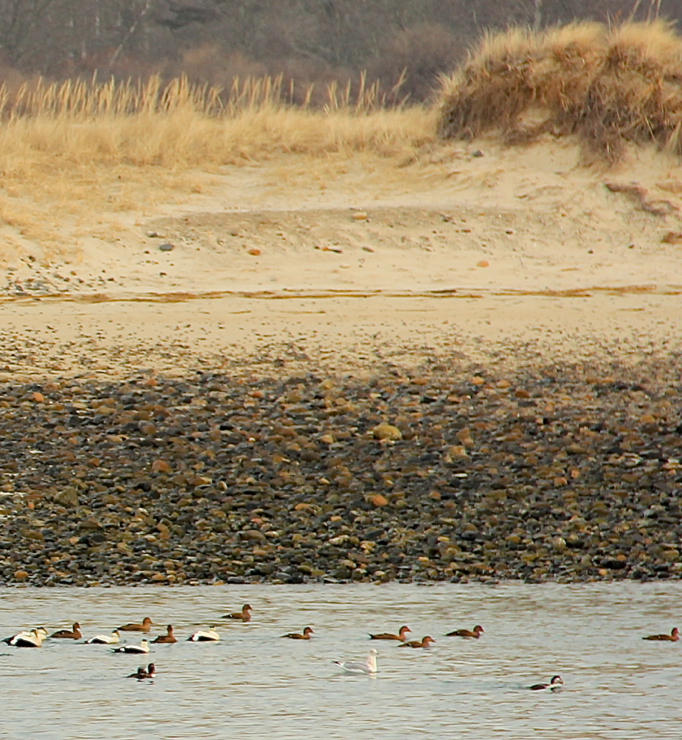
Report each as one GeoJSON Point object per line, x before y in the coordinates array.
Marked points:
{"type": "Point", "coordinates": [209, 635]}
{"type": "Point", "coordinates": [29, 638]}
{"type": "Point", "coordinates": [143, 647]}
{"type": "Point", "coordinates": [111, 639]}
{"type": "Point", "coordinates": [367, 667]}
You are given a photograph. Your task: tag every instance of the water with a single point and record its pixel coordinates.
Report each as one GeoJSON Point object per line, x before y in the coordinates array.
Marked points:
{"type": "Point", "coordinates": [254, 684]}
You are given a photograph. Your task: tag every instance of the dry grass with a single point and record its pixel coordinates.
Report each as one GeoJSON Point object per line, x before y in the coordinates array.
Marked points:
{"type": "Point", "coordinates": [182, 125]}
{"type": "Point", "coordinates": [607, 85]}
{"type": "Point", "coordinates": [71, 151]}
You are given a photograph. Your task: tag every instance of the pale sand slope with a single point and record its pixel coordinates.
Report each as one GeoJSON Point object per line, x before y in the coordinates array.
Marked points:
{"type": "Point", "coordinates": [354, 263]}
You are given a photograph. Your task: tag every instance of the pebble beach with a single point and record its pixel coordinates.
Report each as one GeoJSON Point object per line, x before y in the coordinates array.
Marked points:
{"type": "Point", "coordinates": [458, 472]}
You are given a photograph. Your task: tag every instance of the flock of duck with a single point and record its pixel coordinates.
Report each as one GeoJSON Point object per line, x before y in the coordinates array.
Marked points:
{"type": "Point", "coordinates": [34, 639]}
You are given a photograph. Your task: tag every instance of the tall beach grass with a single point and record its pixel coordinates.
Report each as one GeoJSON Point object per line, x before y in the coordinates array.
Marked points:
{"type": "Point", "coordinates": [609, 85]}
{"type": "Point", "coordinates": [179, 124]}
{"type": "Point", "coordinates": [75, 154]}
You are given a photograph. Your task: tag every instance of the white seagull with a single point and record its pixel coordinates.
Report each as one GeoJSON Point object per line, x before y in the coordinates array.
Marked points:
{"type": "Point", "coordinates": [111, 639]}
{"type": "Point", "coordinates": [143, 647]}
{"type": "Point", "coordinates": [209, 635]}
{"type": "Point", "coordinates": [367, 667]}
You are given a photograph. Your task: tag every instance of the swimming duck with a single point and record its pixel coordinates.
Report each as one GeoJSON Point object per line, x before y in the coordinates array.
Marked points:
{"type": "Point", "coordinates": [168, 637]}
{"type": "Point", "coordinates": [134, 627]}
{"type": "Point", "coordinates": [367, 667]}
{"type": "Point", "coordinates": [111, 639]}
{"type": "Point", "coordinates": [30, 638]}
{"type": "Point", "coordinates": [244, 615]}
{"type": "Point", "coordinates": [423, 643]}
{"type": "Point", "coordinates": [142, 672]}
{"type": "Point", "coordinates": [307, 632]}
{"type": "Point", "coordinates": [401, 636]}
{"type": "Point", "coordinates": [143, 647]}
{"type": "Point", "coordinates": [556, 683]}
{"type": "Point", "coordinates": [72, 634]}
{"type": "Point", "coordinates": [674, 636]}
{"type": "Point", "coordinates": [209, 635]}
{"type": "Point", "coordinates": [475, 633]}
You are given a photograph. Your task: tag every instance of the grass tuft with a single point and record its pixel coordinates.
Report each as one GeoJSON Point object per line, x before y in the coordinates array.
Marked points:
{"type": "Point", "coordinates": [608, 85]}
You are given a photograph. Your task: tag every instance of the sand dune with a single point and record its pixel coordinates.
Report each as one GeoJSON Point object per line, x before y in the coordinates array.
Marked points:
{"type": "Point", "coordinates": [471, 245]}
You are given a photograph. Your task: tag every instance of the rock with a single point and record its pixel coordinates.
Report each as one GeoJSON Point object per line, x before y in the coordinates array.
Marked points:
{"type": "Point", "coordinates": [386, 431]}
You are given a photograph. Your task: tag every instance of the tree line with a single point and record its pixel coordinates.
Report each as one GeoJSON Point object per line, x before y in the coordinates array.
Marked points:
{"type": "Point", "coordinates": [306, 41]}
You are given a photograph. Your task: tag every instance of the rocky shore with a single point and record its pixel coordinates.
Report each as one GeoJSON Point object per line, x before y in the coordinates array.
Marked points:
{"type": "Point", "coordinates": [454, 472]}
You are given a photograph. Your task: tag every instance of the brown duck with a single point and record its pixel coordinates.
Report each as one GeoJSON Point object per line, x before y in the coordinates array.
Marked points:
{"type": "Point", "coordinates": [168, 637]}
{"type": "Point", "coordinates": [401, 636]}
{"type": "Point", "coordinates": [135, 627]}
{"type": "Point", "coordinates": [423, 643]}
{"type": "Point", "coordinates": [475, 633]}
{"type": "Point", "coordinates": [244, 614]}
{"type": "Point", "coordinates": [72, 634]}
{"type": "Point", "coordinates": [305, 635]}
{"type": "Point", "coordinates": [674, 636]}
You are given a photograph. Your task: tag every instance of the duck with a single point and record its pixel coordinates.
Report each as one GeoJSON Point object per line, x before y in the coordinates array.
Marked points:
{"type": "Point", "coordinates": [674, 636]}
{"type": "Point", "coordinates": [425, 642]}
{"type": "Point", "coordinates": [475, 633]}
{"type": "Point", "coordinates": [135, 627]}
{"type": "Point", "coordinates": [556, 683]}
{"type": "Point", "coordinates": [401, 636]}
{"type": "Point", "coordinates": [244, 615]}
{"type": "Point", "coordinates": [168, 637]}
{"type": "Point", "coordinates": [142, 672]}
{"type": "Point", "coordinates": [143, 647]}
{"type": "Point", "coordinates": [111, 639]}
{"type": "Point", "coordinates": [209, 635]}
{"type": "Point", "coordinates": [72, 634]}
{"type": "Point", "coordinates": [30, 638]}
{"type": "Point", "coordinates": [305, 635]}
{"type": "Point", "coordinates": [366, 667]}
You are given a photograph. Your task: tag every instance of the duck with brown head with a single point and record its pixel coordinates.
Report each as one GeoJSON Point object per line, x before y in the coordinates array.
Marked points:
{"type": "Point", "coordinates": [425, 642]}
{"type": "Point", "coordinates": [475, 633]}
{"type": "Point", "coordinates": [401, 636]}
{"type": "Point", "coordinates": [72, 634]}
{"type": "Point", "coordinates": [168, 638]}
{"type": "Point", "coordinates": [243, 616]}
{"type": "Point", "coordinates": [305, 635]}
{"type": "Point", "coordinates": [144, 626]}
{"type": "Point", "coordinates": [141, 673]}
{"type": "Point", "coordinates": [674, 636]}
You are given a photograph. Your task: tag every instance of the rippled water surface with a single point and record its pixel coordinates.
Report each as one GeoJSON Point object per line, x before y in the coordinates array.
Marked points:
{"type": "Point", "coordinates": [255, 684]}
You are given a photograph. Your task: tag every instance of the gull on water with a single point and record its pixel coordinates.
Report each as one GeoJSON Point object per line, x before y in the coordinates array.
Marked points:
{"type": "Point", "coordinates": [367, 667]}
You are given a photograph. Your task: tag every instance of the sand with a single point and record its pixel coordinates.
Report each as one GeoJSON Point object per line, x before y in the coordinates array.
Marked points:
{"type": "Point", "coordinates": [472, 253]}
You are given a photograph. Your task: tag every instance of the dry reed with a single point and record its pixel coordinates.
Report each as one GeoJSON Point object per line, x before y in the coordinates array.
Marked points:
{"type": "Point", "coordinates": [180, 124]}
{"type": "Point", "coordinates": [608, 85]}
{"type": "Point", "coordinates": [75, 151]}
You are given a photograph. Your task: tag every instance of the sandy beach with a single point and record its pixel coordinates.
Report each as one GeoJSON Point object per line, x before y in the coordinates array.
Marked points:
{"type": "Point", "coordinates": [461, 368]}
{"type": "Point", "coordinates": [352, 262]}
